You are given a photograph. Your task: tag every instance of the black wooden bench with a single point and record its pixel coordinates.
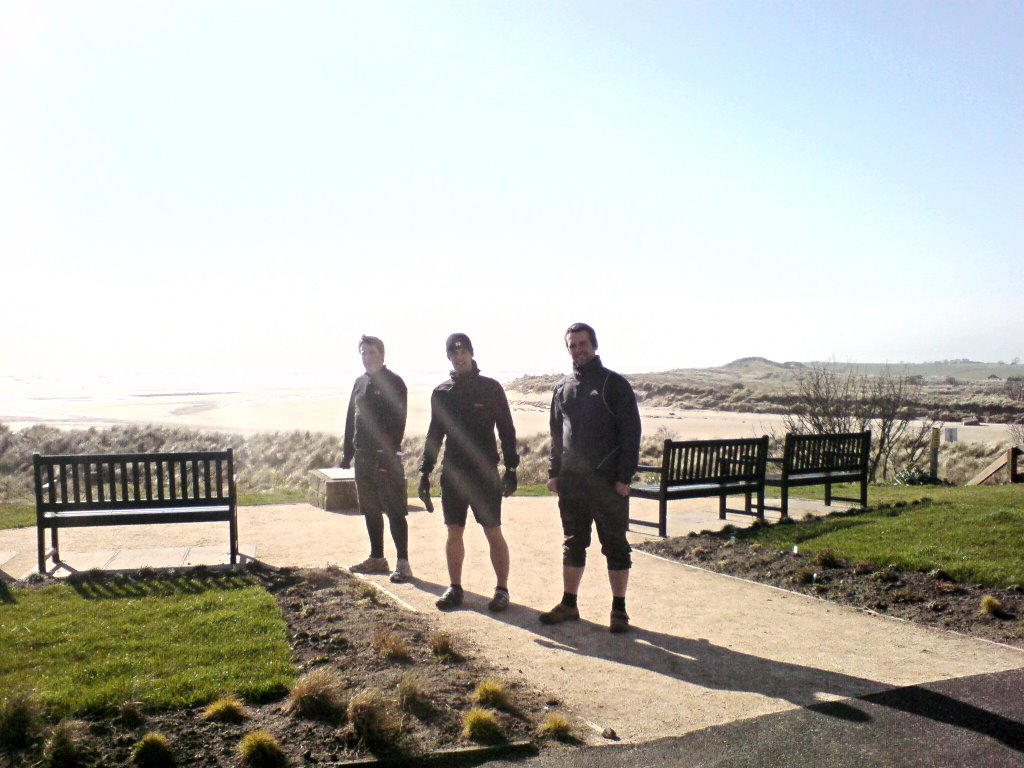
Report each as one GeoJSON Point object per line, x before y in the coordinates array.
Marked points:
{"type": "Point", "coordinates": [822, 460]}
{"type": "Point", "coordinates": [692, 469]}
{"type": "Point", "coordinates": [133, 489]}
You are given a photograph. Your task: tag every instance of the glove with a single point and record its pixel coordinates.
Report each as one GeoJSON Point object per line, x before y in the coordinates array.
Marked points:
{"type": "Point", "coordinates": [509, 483]}
{"type": "Point", "coordinates": [345, 464]}
{"type": "Point", "coordinates": [424, 492]}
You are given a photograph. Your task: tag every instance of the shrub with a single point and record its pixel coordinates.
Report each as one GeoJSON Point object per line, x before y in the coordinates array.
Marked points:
{"type": "Point", "coordinates": [260, 749]}
{"type": "Point", "coordinates": [153, 751]}
{"type": "Point", "coordinates": [69, 746]}
{"type": "Point", "coordinates": [373, 718]}
{"type": "Point", "coordinates": [491, 692]}
{"type": "Point", "coordinates": [226, 709]}
{"type": "Point", "coordinates": [481, 725]}
{"type": "Point", "coordinates": [556, 726]}
{"type": "Point", "coordinates": [20, 721]}
{"type": "Point", "coordinates": [317, 695]}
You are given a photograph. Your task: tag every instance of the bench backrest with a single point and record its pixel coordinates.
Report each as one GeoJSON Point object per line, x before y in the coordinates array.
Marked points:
{"type": "Point", "coordinates": [845, 451]}
{"type": "Point", "coordinates": [134, 480]}
{"type": "Point", "coordinates": [705, 461]}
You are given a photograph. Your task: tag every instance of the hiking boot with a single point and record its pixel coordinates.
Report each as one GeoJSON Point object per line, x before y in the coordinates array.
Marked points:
{"type": "Point", "coordinates": [560, 613]}
{"type": "Point", "coordinates": [452, 598]}
{"type": "Point", "coordinates": [619, 622]}
{"type": "Point", "coordinates": [371, 565]}
{"type": "Point", "coordinates": [499, 602]}
{"type": "Point", "coordinates": [402, 572]}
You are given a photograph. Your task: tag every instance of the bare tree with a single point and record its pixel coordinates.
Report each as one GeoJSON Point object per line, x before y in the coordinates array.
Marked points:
{"type": "Point", "coordinates": [1015, 391]}
{"type": "Point", "coordinates": [838, 399]}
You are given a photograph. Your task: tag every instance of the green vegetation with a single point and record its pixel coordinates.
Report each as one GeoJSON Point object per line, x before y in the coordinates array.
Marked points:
{"type": "Point", "coordinates": [481, 725]}
{"type": "Point", "coordinates": [557, 726]}
{"type": "Point", "coordinates": [153, 751]}
{"type": "Point", "coordinates": [260, 749]}
{"type": "Point", "coordinates": [374, 719]}
{"type": "Point", "coordinates": [975, 534]}
{"type": "Point", "coordinates": [318, 695]}
{"type": "Point", "coordinates": [17, 515]}
{"type": "Point", "coordinates": [169, 641]}
{"type": "Point", "coordinates": [492, 693]}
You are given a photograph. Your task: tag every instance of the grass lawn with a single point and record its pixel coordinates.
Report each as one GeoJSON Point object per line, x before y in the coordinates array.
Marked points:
{"type": "Point", "coordinates": [162, 641]}
{"type": "Point", "coordinates": [975, 534]}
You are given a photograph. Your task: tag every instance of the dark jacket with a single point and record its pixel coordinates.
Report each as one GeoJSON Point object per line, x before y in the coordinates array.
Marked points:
{"type": "Point", "coordinates": [464, 412]}
{"type": "Point", "coordinates": [595, 424]}
{"type": "Point", "coordinates": [376, 414]}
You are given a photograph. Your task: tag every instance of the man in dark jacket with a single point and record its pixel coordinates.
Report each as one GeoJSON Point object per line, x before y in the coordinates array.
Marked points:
{"type": "Point", "coordinates": [374, 428]}
{"type": "Point", "coordinates": [595, 449]}
{"type": "Point", "coordinates": [464, 412]}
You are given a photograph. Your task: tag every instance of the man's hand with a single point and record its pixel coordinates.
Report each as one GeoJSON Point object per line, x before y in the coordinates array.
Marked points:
{"type": "Point", "coordinates": [622, 488]}
{"type": "Point", "coordinates": [553, 485]}
{"type": "Point", "coordinates": [509, 483]}
{"type": "Point", "coordinates": [345, 464]}
{"type": "Point", "coordinates": [424, 492]}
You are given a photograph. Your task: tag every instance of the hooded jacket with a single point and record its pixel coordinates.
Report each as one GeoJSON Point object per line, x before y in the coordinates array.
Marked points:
{"type": "Point", "coordinates": [375, 420]}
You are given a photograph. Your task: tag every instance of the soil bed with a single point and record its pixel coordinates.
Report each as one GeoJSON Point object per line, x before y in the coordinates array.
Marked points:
{"type": "Point", "coordinates": [932, 599]}
{"type": "Point", "coordinates": [334, 621]}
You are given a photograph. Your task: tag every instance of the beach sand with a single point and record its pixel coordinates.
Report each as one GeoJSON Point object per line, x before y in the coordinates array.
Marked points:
{"type": "Point", "coordinates": [322, 410]}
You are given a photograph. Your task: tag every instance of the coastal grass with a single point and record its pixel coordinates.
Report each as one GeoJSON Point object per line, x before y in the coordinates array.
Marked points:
{"type": "Point", "coordinates": [165, 641]}
{"type": "Point", "coordinates": [17, 514]}
{"type": "Point", "coordinates": [975, 534]}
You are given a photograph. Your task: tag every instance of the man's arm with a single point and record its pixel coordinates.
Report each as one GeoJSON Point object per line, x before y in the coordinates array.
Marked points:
{"type": "Point", "coordinates": [627, 415]}
{"type": "Point", "coordinates": [435, 434]}
{"type": "Point", "coordinates": [347, 445]}
{"type": "Point", "coordinates": [506, 428]}
{"type": "Point", "coordinates": [555, 427]}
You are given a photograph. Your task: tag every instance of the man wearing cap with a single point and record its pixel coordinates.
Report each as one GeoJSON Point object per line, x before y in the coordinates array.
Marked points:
{"type": "Point", "coordinates": [374, 428]}
{"type": "Point", "coordinates": [464, 412]}
{"type": "Point", "coordinates": [595, 449]}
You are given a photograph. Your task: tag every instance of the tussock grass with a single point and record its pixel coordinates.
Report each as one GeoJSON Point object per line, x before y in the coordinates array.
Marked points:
{"type": "Point", "coordinates": [318, 695]}
{"type": "Point", "coordinates": [153, 751]}
{"type": "Point", "coordinates": [443, 646]}
{"type": "Point", "coordinates": [70, 746]}
{"type": "Point", "coordinates": [993, 606]}
{"type": "Point", "coordinates": [972, 533]}
{"type": "Point", "coordinates": [492, 693]}
{"type": "Point", "coordinates": [481, 725]}
{"type": "Point", "coordinates": [226, 709]}
{"type": "Point", "coordinates": [389, 645]}
{"type": "Point", "coordinates": [411, 695]}
{"type": "Point", "coordinates": [170, 641]}
{"type": "Point", "coordinates": [260, 749]}
{"type": "Point", "coordinates": [21, 720]}
{"type": "Point", "coordinates": [374, 719]}
{"type": "Point", "coordinates": [556, 726]}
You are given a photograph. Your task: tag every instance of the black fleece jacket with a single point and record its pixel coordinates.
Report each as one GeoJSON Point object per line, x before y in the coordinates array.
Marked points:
{"type": "Point", "coordinates": [376, 415]}
{"type": "Point", "coordinates": [464, 412]}
{"type": "Point", "coordinates": [595, 424]}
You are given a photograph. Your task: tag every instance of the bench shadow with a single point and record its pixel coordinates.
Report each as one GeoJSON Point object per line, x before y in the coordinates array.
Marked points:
{"type": "Point", "coordinates": [707, 665]}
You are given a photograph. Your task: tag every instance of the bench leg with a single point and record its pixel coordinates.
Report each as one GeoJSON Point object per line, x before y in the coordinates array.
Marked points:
{"type": "Point", "coordinates": [760, 503]}
{"type": "Point", "coordinates": [233, 534]}
{"type": "Point", "coordinates": [864, 492]}
{"type": "Point", "coordinates": [721, 507]}
{"type": "Point", "coordinates": [828, 494]}
{"type": "Point", "coordinates": [784, 506]}
{"type": "Point", "coordinates": [662, 517]}
{"type": "Point", "coordinates": [56, 548]}
{"type": "Point", "coordinates": [41, 541]}
{"type": "Point", "coordinates": [746, 504]}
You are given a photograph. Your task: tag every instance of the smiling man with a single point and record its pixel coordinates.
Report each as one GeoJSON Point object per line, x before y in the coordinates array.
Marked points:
{"type": "Point", "coordinates": [464, 412]}
{"type": "Point", "coordinates": [595, 449]}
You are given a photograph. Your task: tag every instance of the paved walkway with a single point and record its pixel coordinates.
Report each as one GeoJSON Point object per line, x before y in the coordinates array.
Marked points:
{"type": "Point", "coordinates": [707, 652]}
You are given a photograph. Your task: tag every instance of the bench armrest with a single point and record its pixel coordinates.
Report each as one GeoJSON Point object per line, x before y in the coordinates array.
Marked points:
{"type": "Point", "coordinates": [774, 459]}
{"type": "Point", "coordinates": [650, 468]}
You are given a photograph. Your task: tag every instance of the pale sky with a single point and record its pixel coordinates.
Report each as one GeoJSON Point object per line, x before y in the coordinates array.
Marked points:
{"type": "Point", "coordinates": [252, 184]}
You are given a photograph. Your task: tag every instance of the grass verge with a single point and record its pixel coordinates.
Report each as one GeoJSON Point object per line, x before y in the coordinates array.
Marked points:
{"type": "Point", "coordinates": [975, 534]}
{"type": "Point", "coordinates": [162, 640]}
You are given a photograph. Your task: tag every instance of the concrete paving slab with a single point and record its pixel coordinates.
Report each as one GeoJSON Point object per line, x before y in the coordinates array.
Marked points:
{"type": "Point", "coordinates": [5, 557]}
